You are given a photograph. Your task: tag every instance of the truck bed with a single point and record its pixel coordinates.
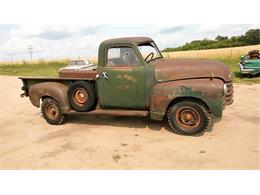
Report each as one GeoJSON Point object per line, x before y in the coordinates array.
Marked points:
{"type": "Point", "coordinates": [66, 78]}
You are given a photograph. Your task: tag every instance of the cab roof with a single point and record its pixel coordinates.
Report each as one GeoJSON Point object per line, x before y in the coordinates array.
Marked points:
{"type": "Point", "coordinates": [136, 40]}
{"type": "Point", "coordinates": [123, 40]}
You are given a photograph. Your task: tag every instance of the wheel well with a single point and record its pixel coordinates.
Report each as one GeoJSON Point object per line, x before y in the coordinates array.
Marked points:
{"type": "Point", "coordinates": [44, 97]}
{"type": "Point", "coordinates": [180, 99]}
{"type": "Point", "coordinates": [92, 82]}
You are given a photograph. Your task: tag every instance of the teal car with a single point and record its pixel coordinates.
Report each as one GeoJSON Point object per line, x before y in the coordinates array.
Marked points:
{"type": "Point", "coordinates": [250, 64]}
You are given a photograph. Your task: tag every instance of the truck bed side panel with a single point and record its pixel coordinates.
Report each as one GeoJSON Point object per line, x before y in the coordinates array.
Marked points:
{"type": "Point", "coordinates": [54, 90]}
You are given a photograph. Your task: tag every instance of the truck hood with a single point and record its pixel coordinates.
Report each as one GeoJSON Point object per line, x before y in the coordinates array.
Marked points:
{"type": "Point", "coordinates": [167, 70]}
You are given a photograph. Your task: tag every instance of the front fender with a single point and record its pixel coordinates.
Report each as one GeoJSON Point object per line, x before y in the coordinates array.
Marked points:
{"type": "Point", "coordinates": [54, 90]}
{"type": "Point", "coordinates": [211, 92]}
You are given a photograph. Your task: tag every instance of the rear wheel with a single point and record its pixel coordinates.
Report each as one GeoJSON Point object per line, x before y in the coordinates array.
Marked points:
{"type": "Point", "coordinates": [51, 111]}
{"type": "Point", "coordinates": [188, 118]}
{"type": "Point", "coordinates": [82, 96]}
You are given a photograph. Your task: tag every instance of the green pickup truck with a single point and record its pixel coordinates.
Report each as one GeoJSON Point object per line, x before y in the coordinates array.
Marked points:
{"type": "Point", "coordinates": [132, 77]}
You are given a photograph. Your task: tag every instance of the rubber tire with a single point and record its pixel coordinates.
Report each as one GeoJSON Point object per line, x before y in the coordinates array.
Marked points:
{"type": "Point", "coordinates": [92, 97]}
{"type": "Point", "coordinates": [204, 115]}
{"type": "Point", "coordinates": [59, 119]}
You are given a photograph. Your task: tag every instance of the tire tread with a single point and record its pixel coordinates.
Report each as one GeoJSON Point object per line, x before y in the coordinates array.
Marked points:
{"type": "Point", "coordinates": [207, 125]}
{"type": "Point", "coordinates": [60, 119]}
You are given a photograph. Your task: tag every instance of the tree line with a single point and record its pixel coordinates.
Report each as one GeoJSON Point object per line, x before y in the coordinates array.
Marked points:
{"type": "Point", "coordinates": [251, 37]}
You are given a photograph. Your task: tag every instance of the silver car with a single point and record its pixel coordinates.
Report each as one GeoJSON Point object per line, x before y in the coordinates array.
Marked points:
{"type": "Point", "coordinates": [78, 65]}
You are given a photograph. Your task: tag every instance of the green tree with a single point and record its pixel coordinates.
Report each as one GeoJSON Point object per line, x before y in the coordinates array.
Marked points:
{"type": "Point", "coordinates": [221, 38]}
{"type": "Point", "coordinates": [253, 36]}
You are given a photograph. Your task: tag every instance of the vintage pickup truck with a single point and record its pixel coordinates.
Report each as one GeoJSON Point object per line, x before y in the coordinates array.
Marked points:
{"type": "Point", "coordinates": [133, 77]}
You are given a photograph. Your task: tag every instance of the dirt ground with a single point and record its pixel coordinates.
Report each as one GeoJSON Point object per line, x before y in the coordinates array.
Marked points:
{"type": "Point", "coordinates": [107, 142]}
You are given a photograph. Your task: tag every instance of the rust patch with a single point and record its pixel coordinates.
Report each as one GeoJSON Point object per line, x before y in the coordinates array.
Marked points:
{"type": "Point", "coordinates": [55, 90]}
{"type": "Point", "coordinates": [127, 77]}
{"type": "Point", "coordinates": [87, 74]}
{"type": "Point", "coordinates": [130, 78]}
{"type": "Point", "coordinates": [164, 93]}
{"type": "Point", "coordinates": [167, 70]}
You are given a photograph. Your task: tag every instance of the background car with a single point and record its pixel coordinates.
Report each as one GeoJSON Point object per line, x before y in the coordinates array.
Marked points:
{"type": "Point", "coordinates": [250, 64]}
{"type": "Point", "coordinates": [81, 64]}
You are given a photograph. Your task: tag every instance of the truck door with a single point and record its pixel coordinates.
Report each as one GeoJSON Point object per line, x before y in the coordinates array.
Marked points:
{"type": "Point", "coordinates": [121, 82]}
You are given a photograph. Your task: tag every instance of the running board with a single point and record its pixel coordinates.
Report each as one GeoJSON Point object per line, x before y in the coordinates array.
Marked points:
{"type": "Point", "coordinates": [112, 112]}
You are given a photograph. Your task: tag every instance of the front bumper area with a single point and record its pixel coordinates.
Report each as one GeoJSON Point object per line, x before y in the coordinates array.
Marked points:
{"type": "Point", "coordinates": [228, 98]}
{"type": "Point", "coordinates": [245, 70]}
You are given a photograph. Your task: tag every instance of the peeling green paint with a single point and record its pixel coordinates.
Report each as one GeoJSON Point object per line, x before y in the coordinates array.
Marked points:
{"type": "Point", "coordinates": [124, 88]}
{"type": "Point", "coordinates": [165, 93]}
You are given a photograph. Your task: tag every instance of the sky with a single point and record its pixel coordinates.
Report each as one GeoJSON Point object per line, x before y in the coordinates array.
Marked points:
{"type": "Point", "coordinates": [73, 41]}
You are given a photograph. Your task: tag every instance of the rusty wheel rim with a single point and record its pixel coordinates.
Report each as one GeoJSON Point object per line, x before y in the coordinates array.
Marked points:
{"type": "Point", "coordinates": [188, 118]}
{"type": "Point", "coordinates": [80, 97]}
{"type": "Point", "coordinates": [52, 111]}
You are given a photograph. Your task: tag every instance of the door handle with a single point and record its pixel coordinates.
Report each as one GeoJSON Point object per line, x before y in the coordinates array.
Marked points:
{"type": "Point", "coordinates": [105, 75]}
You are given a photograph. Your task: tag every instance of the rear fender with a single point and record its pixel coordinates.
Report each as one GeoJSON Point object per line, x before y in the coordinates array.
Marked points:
{"type": "Point", "coordinates": [210, 92]}
{"type": "Point", "coordinates": [54, 90]}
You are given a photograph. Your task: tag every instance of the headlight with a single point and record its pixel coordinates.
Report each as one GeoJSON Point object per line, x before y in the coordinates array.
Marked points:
{"type": "Point", "coordinates": [225, 88]}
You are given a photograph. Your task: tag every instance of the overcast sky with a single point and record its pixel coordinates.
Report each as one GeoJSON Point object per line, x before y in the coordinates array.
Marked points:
{"type": "Point", "coordinates": [59, 41]}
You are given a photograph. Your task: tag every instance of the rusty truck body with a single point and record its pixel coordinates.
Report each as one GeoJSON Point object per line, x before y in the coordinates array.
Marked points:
{"type": "Point", "coordinates": [133, 77]}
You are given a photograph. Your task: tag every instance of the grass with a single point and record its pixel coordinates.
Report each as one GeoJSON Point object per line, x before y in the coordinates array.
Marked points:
{"type": "Point", "coordinates": [37, 68]}
{"type": "Point", "coordinates": [229, 56]}
{"type": "Point", "coordinates": [40, 68]}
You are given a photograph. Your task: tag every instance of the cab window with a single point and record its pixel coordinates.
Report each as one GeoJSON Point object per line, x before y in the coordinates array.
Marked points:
{"type": "Point", "coordinates": [121, 56]}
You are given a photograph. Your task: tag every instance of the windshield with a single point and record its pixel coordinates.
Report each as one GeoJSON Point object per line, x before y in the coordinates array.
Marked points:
{"type": "Point", "coordinates": [149, 51]}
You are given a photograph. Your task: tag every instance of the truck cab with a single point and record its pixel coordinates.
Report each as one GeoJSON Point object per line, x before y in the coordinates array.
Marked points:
{"type": "Point", "coordinates": [132, 76]}
{"type": "Point", "coordinates": [125, 78]}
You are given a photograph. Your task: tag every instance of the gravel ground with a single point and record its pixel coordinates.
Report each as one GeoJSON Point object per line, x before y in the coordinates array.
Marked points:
{"type": "Point", "coordinates": [109, 142]}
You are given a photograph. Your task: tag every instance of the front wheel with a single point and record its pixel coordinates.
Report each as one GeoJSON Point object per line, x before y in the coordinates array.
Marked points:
{"type": "Point", "coordinates": [188, 118]}
{"type": "Point", "coordinates": [51, 111]}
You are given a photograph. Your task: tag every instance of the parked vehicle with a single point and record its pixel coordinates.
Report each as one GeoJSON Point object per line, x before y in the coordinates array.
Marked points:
{"type": "Point", "coordinates": [77, 65]}
{"type": "Point", "coordinates": [132, 77]}
{"type": "Point", "coordinates": [250, 64]}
